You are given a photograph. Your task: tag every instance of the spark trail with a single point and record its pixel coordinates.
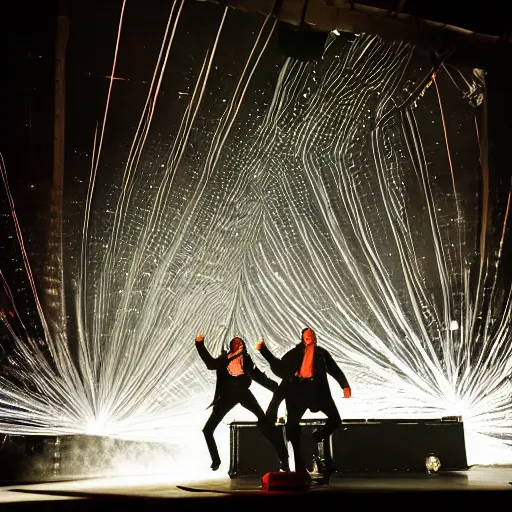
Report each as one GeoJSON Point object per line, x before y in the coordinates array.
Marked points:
{"type": "Point", "coordinates": [342, 206]}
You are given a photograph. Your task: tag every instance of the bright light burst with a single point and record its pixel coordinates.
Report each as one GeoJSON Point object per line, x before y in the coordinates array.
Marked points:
{"type": "Point", "coordinates": [341, 203]}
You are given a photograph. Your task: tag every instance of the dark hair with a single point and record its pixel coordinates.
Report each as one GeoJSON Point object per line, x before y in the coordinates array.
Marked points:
{"type": "Point", "coordinates": [304, 330]}
{"type": "Point", "coordinates": [236, 338]}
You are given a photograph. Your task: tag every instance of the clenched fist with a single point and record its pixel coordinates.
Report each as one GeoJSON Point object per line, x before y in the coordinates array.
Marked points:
{"type": "Point", "coordinates": [259, 344]}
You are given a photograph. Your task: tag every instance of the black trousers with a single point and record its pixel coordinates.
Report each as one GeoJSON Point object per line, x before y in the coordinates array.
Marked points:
{"type": "Point", "coordinates": [277, 398]}
{"type": "Point", "coordinates": [300, 396]}
{"type": "Point", "coordinates": [247, 400]}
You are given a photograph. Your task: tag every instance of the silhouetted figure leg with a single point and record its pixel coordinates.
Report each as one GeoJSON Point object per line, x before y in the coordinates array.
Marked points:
{"type": "Point", "coordinates": [272, 433]}
{"type": "Point", "coordinates": [332, 422]}
{"type": "Point", "coordinates": [220, 409]}
{"type": "Point", "coordinates": [296, 409]}
{"type": "Point", "coordinates": [273, 406]}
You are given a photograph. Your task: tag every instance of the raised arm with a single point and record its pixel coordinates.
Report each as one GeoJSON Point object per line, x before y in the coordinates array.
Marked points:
{"type": "Point", "coordinates": [335, 371]}
{"type": "Point", "coordinates": [275, 363]}
{"type": "Point", "coordinates": [210, 362]}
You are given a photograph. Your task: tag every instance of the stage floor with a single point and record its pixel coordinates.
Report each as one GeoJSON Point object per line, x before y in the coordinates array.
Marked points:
{"type": "Point", "coordinates": [482, 484]}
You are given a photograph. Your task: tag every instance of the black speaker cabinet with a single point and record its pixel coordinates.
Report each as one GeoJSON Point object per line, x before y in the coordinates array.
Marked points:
{"type": "Point", "coordinates": [250, 452]}
{"type": "Point", "coordinates": [398, 445]}
{"type": "Point", "coordinates": [357, 446]}
{"type": "Point", "coordinates": [252, 455]}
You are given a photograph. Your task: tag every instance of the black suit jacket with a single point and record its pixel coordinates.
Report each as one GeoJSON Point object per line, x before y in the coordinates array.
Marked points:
{"type": "Point", "coordinates": [226, 383]}
{"type": "Point", "coordinates": [290, 363]}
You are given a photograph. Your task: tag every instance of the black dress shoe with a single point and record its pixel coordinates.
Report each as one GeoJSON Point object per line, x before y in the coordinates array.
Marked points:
{"type": "Point", "coordinates": [322, 480]}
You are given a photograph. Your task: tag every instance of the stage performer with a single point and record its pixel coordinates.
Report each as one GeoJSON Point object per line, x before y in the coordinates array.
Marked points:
{"type": "Point", "coordinates": [303, 371]}
{"type": "Point", "coordinates": [235, 372]}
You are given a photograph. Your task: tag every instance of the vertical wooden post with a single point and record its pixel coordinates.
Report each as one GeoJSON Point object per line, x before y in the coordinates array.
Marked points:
{"type": "Point", "coordinates": [60, 98]}
{"type": "Point", "coordinates": [57, 301]}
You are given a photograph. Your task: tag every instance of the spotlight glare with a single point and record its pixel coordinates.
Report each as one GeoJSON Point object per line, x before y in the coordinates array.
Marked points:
{"type": "Point", "coordinates": [432, 463]}
{"type": "Point", "coordinates": [95, 427]}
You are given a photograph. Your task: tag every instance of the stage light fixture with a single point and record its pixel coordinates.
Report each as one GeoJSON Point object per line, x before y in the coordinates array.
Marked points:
{"type": "Point", "coordinates": [454, 325]}
{"type": "Point", "coordinates": [432, 463]}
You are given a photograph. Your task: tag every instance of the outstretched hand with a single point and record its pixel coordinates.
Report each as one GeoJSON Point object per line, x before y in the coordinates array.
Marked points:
{"type": "Point", "coordinates": [259, 344]}
{"type": "Point", "coordinates": [347, 393]}
{"type": "Point", "coordinates": [199, 338]}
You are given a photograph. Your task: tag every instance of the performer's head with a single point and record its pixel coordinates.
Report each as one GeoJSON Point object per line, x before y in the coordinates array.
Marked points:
{"type": "Point", "coordinates": [236, 343]}
{"type": "Point", "coordinates": [308, 336]}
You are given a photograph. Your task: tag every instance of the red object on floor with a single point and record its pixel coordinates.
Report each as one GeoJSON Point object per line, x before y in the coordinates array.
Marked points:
{"type": "Point", "coordinates": [285, 481]}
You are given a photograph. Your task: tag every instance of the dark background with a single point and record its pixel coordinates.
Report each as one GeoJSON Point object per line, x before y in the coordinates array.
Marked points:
{"type": "Point", "coordinates": [27, 99]}
{"type": "Point", "coordinates": [28, 60]}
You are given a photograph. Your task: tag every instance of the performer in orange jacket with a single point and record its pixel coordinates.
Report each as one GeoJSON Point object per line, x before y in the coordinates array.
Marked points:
{"type": "Point", "coordinates": [305, 386]}
{"type": "Point", "coordinates": [235, 373]}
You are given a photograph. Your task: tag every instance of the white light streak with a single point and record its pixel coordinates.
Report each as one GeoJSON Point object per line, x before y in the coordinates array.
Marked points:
{"type": "Point", "coordinates": [326, 213]}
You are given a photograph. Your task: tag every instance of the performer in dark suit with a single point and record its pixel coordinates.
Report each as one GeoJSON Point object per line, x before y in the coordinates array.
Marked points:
{"type": "Point", "coordinates": [305, 386]}
{"type": "Point", "coordinates": [235, 372]}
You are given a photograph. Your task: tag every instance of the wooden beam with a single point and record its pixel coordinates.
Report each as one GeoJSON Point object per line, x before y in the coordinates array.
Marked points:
{"type": "Point", "coordinates": [470, 48]}
{"type": "Point", "coordinates": [400, 6]}
{"type": "Point", "coordinates": [56, 301]}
